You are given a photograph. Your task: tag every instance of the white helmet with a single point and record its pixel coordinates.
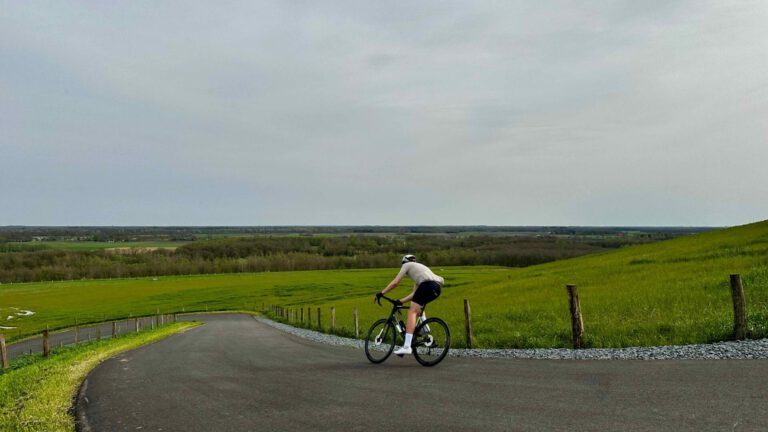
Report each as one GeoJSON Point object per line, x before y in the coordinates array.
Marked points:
{"type": "Point", "coordinates": [408, 258]}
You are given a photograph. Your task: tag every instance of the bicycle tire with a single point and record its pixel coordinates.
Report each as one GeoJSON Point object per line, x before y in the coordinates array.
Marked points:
{"type": "Point", "coordinates": [377, 354]}
{"type": "Point", "coordinates": [431, 353]}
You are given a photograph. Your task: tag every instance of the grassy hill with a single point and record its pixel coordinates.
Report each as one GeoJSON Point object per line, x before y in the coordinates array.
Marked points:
{"type": "Point", "coordinates": [672, 292]}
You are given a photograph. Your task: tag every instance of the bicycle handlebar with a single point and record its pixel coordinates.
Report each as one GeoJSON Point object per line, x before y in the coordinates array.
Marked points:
{"type": "Point", "coordinates": [378, 299]}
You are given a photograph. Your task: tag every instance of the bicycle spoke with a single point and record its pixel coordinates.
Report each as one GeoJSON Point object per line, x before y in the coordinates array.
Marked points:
{"type": "Point", "coordinates": [432, 342]}
{"type": "Point", "coordinates": [380, 341]}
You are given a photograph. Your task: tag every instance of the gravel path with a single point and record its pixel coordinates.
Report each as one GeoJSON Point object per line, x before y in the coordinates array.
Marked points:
{"type": "Point", "coordinates": [750, 349]}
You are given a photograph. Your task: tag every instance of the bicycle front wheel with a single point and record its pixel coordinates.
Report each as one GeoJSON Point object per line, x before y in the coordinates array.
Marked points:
{"type": "Point", "coordinates": [431, 341]}
{"type": "Point", "coordinates": [380, 341]}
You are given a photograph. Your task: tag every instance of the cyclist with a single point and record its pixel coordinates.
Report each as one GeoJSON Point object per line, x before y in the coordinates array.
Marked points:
{"type": "Point", "coordinates": [426, 287]}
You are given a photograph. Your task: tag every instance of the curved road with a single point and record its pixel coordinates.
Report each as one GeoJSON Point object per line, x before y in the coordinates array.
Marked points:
{"type": "Point", "coordinates": [236, 374]}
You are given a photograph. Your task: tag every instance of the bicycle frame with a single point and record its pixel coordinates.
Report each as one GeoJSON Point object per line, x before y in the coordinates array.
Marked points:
{"type": "Point", "coordinates": [397, 310]}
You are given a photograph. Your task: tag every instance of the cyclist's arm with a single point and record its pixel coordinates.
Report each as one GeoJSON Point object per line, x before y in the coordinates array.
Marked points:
{"type": "Point", "coordinates": [408, 298]}
{"type": "Point", "coordinates": [392, 284]}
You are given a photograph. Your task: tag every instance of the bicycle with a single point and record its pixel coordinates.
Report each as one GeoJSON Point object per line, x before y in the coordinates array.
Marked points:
{"type": "Point", "coordinates": [431, 339]}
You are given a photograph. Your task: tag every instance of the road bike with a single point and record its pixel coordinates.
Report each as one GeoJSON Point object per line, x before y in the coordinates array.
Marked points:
{"type": "Point", "coordinates": [431, 339]}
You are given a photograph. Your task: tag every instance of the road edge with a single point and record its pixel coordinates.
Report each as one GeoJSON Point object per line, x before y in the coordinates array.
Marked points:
{"type": "Point", "coordinates": [81, 419]}
{"type": "Point", "coordinates": [750, 349]}
{"type": "Point", "coordinates": [81, 422]}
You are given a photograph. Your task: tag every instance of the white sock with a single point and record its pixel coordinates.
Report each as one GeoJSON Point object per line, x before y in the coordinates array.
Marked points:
{"type": "Point", "coordinates": [408, 337]}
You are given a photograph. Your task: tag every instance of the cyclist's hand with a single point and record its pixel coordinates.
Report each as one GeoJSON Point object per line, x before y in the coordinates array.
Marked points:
{"type": "Point", "coordinates": [378, 298]}
{"type": "Point", "coordinates": [398, 302]}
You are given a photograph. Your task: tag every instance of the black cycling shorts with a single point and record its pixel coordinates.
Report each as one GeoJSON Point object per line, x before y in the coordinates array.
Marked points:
{"type": "Point", "coordinates": [426, 292]}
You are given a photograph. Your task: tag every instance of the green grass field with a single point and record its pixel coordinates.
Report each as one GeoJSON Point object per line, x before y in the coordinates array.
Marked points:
{"type": "Point", "coordinates": [672, 292]}
{"type": "Point", "coordinates": [36, 393]}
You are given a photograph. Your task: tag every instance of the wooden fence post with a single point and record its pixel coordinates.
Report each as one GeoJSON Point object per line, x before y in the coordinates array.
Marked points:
{"type": "Point", "coordinates": [77, 333]}
{"type": "Point", "coordinates": [309, 316]}
{"type": "Point", "coordinates": [333, 319]}
{"type": "Point", "coordinates": [114, 329]}
{"type": "Point", "coordinates": [98, 333]}
{"type": "Point", "coordinates": [3, 352]}
{"type": "Point", "coordinates": [302, 315]}
{"type": "Point", "coordinates": [46, 342]}
{"type": "Point", "coordinates": [468, 324]}
{"type": "Point", "coordinates": [739, 308]}
{"type": "Point", "coordinates": [577, 323]}
{"type": "Point", "coordinates": [357, 324]}
{"type": "Point", "coordinates": [319, 323]}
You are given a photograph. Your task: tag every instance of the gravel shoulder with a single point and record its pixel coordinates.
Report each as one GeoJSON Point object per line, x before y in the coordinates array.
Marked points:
{"type": "Point", "coordinates": [741, 350]}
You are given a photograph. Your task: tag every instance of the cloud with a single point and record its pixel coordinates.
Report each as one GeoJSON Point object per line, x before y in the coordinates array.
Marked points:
{"type": "Point", "coordinates": [352, 113]}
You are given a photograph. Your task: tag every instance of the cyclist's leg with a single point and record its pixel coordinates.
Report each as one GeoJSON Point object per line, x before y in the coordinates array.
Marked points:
{"type": "Point", "coordinates": [413, 313]}
{"type": "Point", "coordinates": [424, 293]}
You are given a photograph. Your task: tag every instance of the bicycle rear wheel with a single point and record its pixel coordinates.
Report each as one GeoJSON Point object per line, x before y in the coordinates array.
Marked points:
{"type": "Point", "coordinates": [431, 341]}
{"type": "Point", "coordinates": [380, 341]}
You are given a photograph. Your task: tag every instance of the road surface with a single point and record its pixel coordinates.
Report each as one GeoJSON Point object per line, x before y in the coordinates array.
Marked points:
{"type": "Point", "coordinates": [236, 374]}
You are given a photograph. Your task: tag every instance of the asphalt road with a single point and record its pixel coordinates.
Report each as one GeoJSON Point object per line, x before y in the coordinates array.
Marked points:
{"type": "Point", "coordinates": [235, 374]}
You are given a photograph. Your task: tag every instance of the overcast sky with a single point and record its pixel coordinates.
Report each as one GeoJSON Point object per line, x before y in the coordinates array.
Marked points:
{"type": "Point", "coordinates": [407, 113]}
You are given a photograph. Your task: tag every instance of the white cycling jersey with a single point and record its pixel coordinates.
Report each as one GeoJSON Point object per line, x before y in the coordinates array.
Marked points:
{"type": "Point", "coordinates": [419, 273]}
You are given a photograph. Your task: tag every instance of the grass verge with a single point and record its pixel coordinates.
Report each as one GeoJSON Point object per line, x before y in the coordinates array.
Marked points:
{"type": "Point", "coordinates": [36, 393]}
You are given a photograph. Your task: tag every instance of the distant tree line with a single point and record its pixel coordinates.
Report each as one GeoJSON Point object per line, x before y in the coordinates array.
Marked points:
{"type": "Point", "coordinates": [285, 253]}
{"type": "Point", "coordinates": [128, 234]}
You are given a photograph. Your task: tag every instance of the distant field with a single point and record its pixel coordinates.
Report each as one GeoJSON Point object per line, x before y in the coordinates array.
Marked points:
{"type": "Point", "coordinates": [671, 292]}
{"type": "Point", "coordinates": [91, 245]}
